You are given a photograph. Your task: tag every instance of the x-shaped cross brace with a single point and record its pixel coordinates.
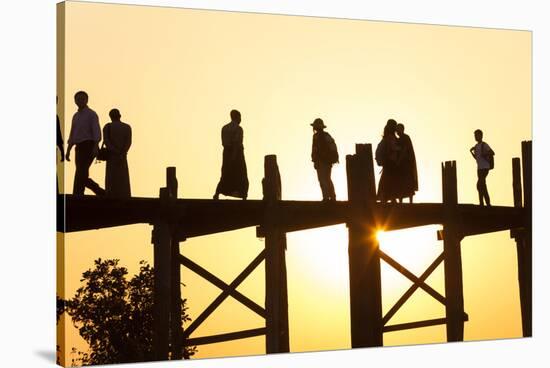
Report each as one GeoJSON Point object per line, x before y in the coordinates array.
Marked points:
{"type": "Point", "coordinates": [227, 290]}
{"type": "Point", "coordinates": [418, 282]}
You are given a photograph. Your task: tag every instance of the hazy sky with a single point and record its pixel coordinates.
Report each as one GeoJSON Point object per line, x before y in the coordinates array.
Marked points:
{"type": "Point", "coordinates": [175, 74]}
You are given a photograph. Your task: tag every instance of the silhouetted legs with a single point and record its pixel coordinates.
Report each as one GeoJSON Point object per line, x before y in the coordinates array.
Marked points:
{"type": "Point", "coordinates": [83, 160]}
{"type": "Point", "coordinates": [482, 187]}
{"type": "Point", "coordinates": [410, 199]}
{"type": "Point", "coordinates": [323, 174]}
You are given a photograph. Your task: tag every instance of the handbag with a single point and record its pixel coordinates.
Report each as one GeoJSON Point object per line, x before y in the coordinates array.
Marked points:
{"type": "Point", "coordinates": [103, 153]}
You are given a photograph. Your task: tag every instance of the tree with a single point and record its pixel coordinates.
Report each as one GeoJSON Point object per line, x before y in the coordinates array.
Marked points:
{"type": "Point", "coordinates": [115, 316]}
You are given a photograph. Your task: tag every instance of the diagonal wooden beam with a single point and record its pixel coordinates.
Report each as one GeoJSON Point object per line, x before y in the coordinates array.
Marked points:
{"type": "Point", "coordinates": [215, 304]}
{"type": "Point", "coordinates": [408, 274]}
{"type": "Point", "coordinates": [225, 337]}
{"type": "Point", "coordinates": [222, 285]}
{"type": "Point", "coordinates": [418, 282]}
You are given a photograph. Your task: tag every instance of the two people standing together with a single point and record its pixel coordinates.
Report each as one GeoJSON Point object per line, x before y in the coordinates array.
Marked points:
{"type": "Point", "coordinates": [395, 153]}
{"type": "Point", "coordinates": [85, 136]}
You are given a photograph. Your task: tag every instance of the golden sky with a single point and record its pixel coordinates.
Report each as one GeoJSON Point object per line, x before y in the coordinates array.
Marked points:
{"type": "Point", "coordinates": [175, 74]}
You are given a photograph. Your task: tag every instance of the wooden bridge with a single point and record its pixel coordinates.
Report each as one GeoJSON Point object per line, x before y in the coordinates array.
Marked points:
{"type": "Point", "coordinates": [174, 220]}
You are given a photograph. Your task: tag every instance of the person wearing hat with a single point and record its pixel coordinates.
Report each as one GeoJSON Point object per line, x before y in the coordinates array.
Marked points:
{"type": "Point", "coordinates": [324, 154]}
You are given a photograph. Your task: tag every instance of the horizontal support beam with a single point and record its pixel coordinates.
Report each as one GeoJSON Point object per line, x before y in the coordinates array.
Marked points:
{"type": "Point", "coordinates": [419, 324]}
{"type": "Point", "coordinates": [225, 337]}
{"type": "Point", "coordinates": [222, 285]}
{"type": "Point", "coordinates": [411, 325]}
{"type": "Point", "coordinates": [198, 217]}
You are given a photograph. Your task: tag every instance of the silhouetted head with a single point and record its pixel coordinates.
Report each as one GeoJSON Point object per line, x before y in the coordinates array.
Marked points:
{"type": "Point", "coordinates": [400, 129]}
{"type": "Point", "coordinates": [478, 135]}
{"type": "Point", "coordinates": [114, 114]}
{"type": "Point", "coordinates": [318, 125]}
{"type": "Point", "coordinates": [392, 123]}
{"type": "Point", "coordinates": [390, 128]}
{"type": "Point", "coordinates": [235, 116]}
{"type": "Point", "coordinates": [81, 99]}
{"type": "Point", "coordinates": [389, 132]}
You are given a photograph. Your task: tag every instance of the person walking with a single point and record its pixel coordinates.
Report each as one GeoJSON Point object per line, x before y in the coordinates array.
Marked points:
{"type": "Point", "coordinates": [484, 156]}
{"type": "Point", "coordinates": [117, 137]}
{"type": "Point", "coordinates": [406, 166]}
{"type": "Point", "coordinates": [386, 155]}
{"type": "Point", "coordinates": [85, 135]}
{"type": "Point", "coordinates": [324, 154]}
{"type": "Point", "coordinates": [234, 178]}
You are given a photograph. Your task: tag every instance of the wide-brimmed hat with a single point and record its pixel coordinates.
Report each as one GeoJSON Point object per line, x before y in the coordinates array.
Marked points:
{"type": "Point", "coordinates": [318, 124]}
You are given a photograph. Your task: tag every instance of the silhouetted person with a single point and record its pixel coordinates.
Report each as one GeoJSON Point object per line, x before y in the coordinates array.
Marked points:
{"type": "Point", "coordinates": [85, 135]}
{"type": "Point", "coordinates": [483, 155]}
{"type": "Point", "coordinates": [387, 154]}
{"type": "Point", "coordinates": [234, 178]}
{"type": "Point", "coordinates": [59, 140]}
{"type": "Point", "coordinates": [117, 137]}
{"type": "Point", "coordinates": [323, 154]}
{"type": "Point", "coordinates": [408, 182]}
{"type": "Point", "coordinates": [59, 143]}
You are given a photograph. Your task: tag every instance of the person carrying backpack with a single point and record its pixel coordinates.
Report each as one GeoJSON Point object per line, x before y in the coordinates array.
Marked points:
{"type": "Point", "coordinates": [484, 156]}
{"type": "Point", "coordinates": [324, 154]}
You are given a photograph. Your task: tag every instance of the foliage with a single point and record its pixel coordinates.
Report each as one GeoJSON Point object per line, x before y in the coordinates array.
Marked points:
{"type": "Point", "coordinates": [115, 316]}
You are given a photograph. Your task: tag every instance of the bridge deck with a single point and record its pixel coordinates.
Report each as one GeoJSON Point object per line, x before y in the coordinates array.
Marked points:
{"type": "Point", "coordinates": [197, 217]}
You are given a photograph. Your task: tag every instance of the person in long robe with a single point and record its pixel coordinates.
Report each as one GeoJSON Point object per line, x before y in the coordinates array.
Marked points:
{"type": "Point", "coordinates": [117, 137]}
{"type": "Point", "coordinates": [387, 154]}
{"type": "Point", "coordinates": [234, 178]}
{"type": "Point", "coordinates": [408, 182]}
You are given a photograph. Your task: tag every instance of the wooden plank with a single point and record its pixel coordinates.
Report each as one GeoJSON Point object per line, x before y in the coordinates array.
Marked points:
{"type": "Point", "coordinates": [222, 285]}
{"type": "Point", "coordinates": [233, 285]}
{"type": "Point", "coordinates": [225, 337]}
{"type": "Point", "coordinates": [364, 259]}
{"type": "Point", "coordinates": [199, 217]}
{"type": "Point", "coordinates": [454, 306]}
{"type": "Point", "coordinates": [276, 294]}
{"type": "Point", "coordinates": [419, 324]}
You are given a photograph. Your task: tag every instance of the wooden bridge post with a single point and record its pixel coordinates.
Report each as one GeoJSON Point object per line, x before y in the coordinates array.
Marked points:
{"type": "Point", "coordinates": [276, 294]}
{"type": "Point", "coordinates": [454, 296]}
{"type": "Point", "coordinates": [161, 294]}
{"type": "Point", "coordinates": [166, 295]}
{"type": "Point", "coordinates": [176, 328]}
{"type": "Point", "coordinates": [524, 246]}
{"type": "Point", "coordinates": [364, 258]}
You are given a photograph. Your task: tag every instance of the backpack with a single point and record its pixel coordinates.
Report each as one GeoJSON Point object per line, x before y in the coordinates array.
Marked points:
{"type": "Point", "coordinates": [332, 150]}
{"type": "Point", "coordinates": [489, 156]}
{"type": "Point", "coordinates": [380, 153]}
